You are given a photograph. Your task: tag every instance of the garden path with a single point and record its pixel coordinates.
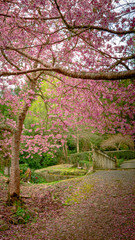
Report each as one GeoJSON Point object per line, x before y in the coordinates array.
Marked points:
{"type": "Point", "coordinates": [99, 206]}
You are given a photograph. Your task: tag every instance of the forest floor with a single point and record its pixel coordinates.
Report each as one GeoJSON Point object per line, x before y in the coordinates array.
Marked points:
{"type": "Point", "coordinates": [99, 206]}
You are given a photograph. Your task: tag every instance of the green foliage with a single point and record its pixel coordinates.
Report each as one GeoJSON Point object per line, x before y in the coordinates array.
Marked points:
{"type": "Point", "coordinates": [5, 110]}
{"type": "Point", "coordinates": [96, 139]}
{"type": "Point", "coordinates": [71, 144]}
{"type": "Point", "coordinates": [85, 163]}
{"type": "Point", "coordinates": [23, 168]}
{"type": "Point", "coordinates": [36, 161]}
{"type": "Point", "coordinates": [22, 157]}
{"type": "Point", "coordinates": [120, 161]}
{"type": "Point", "coordinates": [73, 171]}
{"type": "Point", "coordinates": [39, 112]}
{"type": "Point", "coordinates": [85, 140]}
{"type": "Point", "coordinates": [122, 154]}
{"type": "Point", "coordinates": [20, 216]}
{"type": "Point", "coordinates": [48, 160]}
{"type": "Point", "coordinates": [59, 156]}
{"type": "Point", "coordinates": [35, 178]}
{"type": "Point", "coordinates": [24, 213]}
{"type": "Point", "coordinates": [80, 157]}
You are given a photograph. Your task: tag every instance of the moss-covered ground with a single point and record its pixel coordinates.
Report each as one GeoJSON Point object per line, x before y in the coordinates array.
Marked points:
{"type": "Point", "coordinates": [63, 169]}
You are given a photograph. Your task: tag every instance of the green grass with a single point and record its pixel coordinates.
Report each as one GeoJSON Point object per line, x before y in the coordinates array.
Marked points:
{"type": "Point", "coordinates": [63, 169]}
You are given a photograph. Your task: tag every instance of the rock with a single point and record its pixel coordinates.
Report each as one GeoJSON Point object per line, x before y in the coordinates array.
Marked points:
{"type": "Point", "coordinates": [3, 225]}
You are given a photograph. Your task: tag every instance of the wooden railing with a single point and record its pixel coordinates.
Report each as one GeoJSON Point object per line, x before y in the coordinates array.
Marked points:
{"type": "Point", "coordinates": [102, 161]}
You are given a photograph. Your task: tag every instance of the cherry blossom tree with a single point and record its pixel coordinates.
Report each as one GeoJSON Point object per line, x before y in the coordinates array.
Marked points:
{"type": "Point", "coordinates": [80, 39]}
{"type": "Point", "coordinates": [101, 106]}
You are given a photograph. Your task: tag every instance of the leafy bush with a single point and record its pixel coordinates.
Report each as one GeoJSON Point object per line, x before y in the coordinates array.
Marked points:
{"type": "Point", "coordinates": [48, 160]}
{"type": "Point", "coordinates": [36, 161]}
{"type": "Point", "coordinates": [118, 141]}
{"type": "Point", "coordinates": [78, 157]}
{"type": "Point", "coordinates": [85, 163]}
{"type": "Point", "coordinates": [23, 169]}
{"type": "Point", "coordinates": [24, 213]}
{"type": "Point", "coordinates": [20, 216]}
{"type": "Point", "coordinates": [35, 178]}
{"type": "Point", "coordinates": [122, 154]}
{"type": "Point", "coordinates": [71, 144]}
{"type": "Point", "coordinates": [120, 161]}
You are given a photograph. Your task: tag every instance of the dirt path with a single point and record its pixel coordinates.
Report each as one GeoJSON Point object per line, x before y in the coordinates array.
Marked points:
{"type": "Point", "coordinates": [95, 207]}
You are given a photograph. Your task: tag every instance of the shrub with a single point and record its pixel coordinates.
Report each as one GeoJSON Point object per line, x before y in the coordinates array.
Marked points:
{"type": "Point", "coordinates": [85, 163]}
{"type": "Point", "coordinates": [48, 160]}
{"type": "Point", "coordinates": [36, 161]}
{"type": "Point", "coordinates": [24, 213]}
{"type": "Point", "coordinates": [120, 161]}
{"type": "Point", "coordinates": [23, 168]}
{"type": "Point", "coordinates": [117, 142]}
{"type": "Point", "coordinates": [71, 144]}
{"type": "Point", "coordinates": [35, 178]}
{"type": "Point", "coordinates": [78, 157]}
{"type": "Point", "coordinates": [122, 154]}
{"type": "Point", "coordinates": [21, 216]}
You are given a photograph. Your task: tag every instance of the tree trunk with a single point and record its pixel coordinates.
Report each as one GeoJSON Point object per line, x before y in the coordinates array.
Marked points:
{"type": "Point", "coordinates": [77, 142]}
{"type": "Point", "coordinates": [65, 151]}
{"type": "Point", "coordinates": [14, 184]}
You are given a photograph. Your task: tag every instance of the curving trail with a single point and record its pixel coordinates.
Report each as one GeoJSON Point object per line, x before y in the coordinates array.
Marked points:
{"type": "Point", "coordinates": [99, 206]}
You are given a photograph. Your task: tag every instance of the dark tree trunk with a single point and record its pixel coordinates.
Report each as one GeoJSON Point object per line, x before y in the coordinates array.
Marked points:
{"type": "Point", "coordinates": [14, 184]}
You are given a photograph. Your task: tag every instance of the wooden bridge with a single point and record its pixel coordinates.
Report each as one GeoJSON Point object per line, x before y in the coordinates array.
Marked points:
{"type": "Point", "coordinates": [102, 161]}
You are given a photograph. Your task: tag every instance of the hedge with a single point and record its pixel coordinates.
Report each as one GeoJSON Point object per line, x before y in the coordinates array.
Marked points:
{"type": "Point", "coordinates": [79, 157]}
{"type": "Point", "coordinates": [125, 154]}
{"type": "Point", "coordinates": [86, 157]}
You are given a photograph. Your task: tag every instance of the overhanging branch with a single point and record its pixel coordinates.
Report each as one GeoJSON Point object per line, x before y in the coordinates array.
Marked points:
{"type": "Point", "coordinates": [130, 74]}
{"type": "Point", "coordinates": [92, 27]}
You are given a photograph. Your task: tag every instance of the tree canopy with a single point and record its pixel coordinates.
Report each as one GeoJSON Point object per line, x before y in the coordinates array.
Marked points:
{"type": "Point", "coordinates": [84, 51]}
{"type": "Point", "coordinates": [79, 39]}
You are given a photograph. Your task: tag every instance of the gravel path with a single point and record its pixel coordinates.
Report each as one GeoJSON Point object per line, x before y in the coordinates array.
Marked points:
{"type": "Point", "coordinates": [107, 212]}
{"type": "Point", "coordinates": [99, 206]}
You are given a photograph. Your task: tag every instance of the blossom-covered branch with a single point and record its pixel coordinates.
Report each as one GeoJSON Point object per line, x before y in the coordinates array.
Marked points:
{"type": "Point", "coordinates": [82, 75]}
